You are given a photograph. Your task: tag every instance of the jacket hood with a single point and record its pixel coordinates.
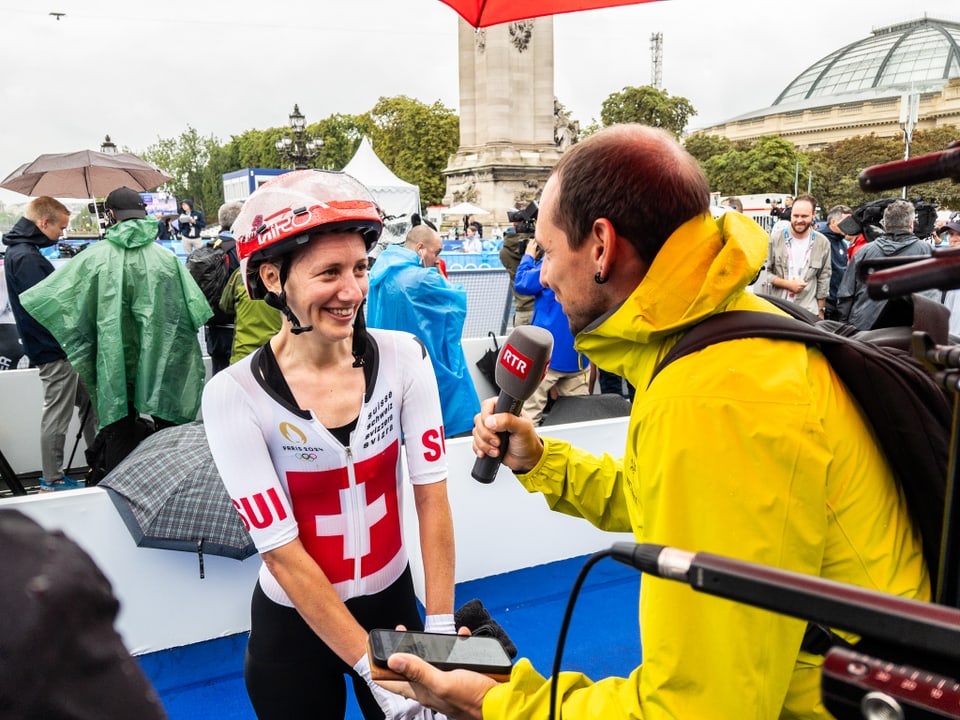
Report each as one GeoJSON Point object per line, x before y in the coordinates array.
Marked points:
{"type": "Point", "coordinates": [133, 233]}
{"type": "Point", "coordinates": [895, 243]}
{"type": "Point", "coordinates": [391, 260]}
{"type": "Point", "coordinates": [703, 268]}
{"type": "Point", "coordinates": [25, 232]}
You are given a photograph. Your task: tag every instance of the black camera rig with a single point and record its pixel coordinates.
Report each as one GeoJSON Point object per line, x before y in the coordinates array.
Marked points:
{"type": "Point", "coordinates": [525, 221]}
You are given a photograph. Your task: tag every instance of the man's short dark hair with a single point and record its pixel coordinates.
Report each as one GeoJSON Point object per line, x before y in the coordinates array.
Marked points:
{"type": "Point", "coordinates": [637, 177]}
{"type": "Point", "coordinates": [810, 199]}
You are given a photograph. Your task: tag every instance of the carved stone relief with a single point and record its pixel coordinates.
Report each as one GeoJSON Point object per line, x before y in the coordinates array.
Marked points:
{"type": "Point", "coordinates": [480, 40]}
{"type": "Point", "coordinates": [520, 34]}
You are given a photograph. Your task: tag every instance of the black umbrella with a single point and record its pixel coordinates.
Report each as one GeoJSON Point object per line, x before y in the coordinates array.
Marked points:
{"type": "Point", "coordinates": [170, 496]}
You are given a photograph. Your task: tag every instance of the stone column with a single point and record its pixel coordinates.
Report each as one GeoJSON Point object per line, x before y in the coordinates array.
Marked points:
{"type": "Point", "coordinates": [507, 144]}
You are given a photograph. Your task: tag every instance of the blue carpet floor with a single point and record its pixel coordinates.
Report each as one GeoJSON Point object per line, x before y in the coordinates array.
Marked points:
{"type": "Point", "coordinates": [205, 681]}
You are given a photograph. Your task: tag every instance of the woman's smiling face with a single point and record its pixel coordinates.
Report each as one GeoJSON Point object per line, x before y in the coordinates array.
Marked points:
{"type": "Point", "coordinates": [327, 283]}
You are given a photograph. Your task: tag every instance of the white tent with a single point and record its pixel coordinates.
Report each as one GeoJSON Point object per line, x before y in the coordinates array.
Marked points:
{"type": "Point", "coordinates": [396, 197]}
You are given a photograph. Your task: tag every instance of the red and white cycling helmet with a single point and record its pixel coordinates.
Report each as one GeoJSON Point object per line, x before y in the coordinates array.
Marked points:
{"type": "Point", "coordinates": [287, 211]}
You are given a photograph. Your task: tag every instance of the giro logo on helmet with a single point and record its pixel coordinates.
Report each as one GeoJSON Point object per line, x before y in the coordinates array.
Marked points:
{"type": "Point", "coordinates": [291, 222]}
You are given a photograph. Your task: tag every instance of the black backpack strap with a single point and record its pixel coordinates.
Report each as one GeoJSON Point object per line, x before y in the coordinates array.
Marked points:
{"type": "Point", "coordinates": [740, 324]}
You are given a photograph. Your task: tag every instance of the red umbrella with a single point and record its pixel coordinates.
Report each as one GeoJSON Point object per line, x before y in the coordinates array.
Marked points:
{"type": "Point", "coordinates": [482, 13]}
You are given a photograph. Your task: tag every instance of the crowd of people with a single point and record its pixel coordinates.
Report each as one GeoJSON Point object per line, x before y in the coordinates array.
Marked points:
{"type": "Point", "coordinates": [816, 265]}
{"type": "Point", "coordinates": [335, 364]}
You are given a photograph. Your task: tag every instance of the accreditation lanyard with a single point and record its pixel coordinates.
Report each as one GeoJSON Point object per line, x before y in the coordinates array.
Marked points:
{"type": "Point", "coordinates": [797, 257]}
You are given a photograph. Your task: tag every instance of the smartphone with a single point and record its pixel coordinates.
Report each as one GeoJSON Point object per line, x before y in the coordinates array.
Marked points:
{"type": "Point", "coordinates": [445, 652]}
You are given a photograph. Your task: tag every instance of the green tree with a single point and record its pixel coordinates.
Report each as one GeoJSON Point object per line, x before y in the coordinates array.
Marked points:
{"type": "Point", "coordinates": [836, 167]}
{"type": "Point", "coordinates": [703, 146]}
{"type": "Point", "coordinates": [223, 159]}
{"type": "Point", "coordinates": [415, 141]}
{"type": "Point", "coordinates": [649, 106]}
{"type": "Point", "coordinates": [184, 158]}
{"type": "Point", "coordinates": [767, 165]}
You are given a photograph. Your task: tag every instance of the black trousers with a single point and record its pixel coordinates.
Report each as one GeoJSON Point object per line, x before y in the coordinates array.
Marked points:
{"type": "Point", "coordinates": [291, 674]}
{"type": "Point", "coordinates": [117, 440]}
{"type": "Point", "coordinates": [219, 346]}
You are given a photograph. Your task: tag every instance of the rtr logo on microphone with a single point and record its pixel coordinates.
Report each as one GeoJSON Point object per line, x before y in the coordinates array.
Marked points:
{"type": "Point", "coordinates": [515, 361]}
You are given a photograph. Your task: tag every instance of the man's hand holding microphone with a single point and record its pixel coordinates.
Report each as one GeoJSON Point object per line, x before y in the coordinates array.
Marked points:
{"type": "Point", "coordinates": [500, 434]}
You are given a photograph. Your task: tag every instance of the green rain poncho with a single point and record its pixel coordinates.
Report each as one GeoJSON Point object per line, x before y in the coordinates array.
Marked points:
{"type": "Point", "coordinates": [127, 312]}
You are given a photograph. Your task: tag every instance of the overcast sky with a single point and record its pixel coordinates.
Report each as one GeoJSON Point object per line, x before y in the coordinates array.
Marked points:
{"type": "Point", "coordinates": [140, 71]}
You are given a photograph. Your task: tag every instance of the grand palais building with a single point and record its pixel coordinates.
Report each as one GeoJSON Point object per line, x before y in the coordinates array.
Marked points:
{"type": "Point", "coordinates": [859, 89]}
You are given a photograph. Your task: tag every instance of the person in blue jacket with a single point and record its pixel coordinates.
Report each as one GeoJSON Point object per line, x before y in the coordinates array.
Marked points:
{"type": "Point", "coordinates": [568, 368]}
{"type": "Point", "coordinates": [408, 293]}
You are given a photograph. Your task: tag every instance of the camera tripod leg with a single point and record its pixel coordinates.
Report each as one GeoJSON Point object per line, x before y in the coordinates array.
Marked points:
{"type": "Point", "coordinates": [10, 477]}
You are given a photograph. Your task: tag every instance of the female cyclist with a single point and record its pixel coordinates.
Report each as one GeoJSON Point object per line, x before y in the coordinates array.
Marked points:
{"type": "Point", "coordinates": [306, 434]}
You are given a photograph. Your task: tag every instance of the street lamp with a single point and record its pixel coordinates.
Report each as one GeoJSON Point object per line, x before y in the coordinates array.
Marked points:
{"type": "Point", "coordinates": [298, 147]}
{"type": "Point", "coordinates": [107, 146]}
{"type": "Point", "coordinates": [909, 112]}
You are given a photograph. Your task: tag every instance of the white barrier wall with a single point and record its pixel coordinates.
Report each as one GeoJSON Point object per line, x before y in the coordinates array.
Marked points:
{"type": "Point", "coordinates": [22, 401]}
{"type": "Point", "coordinates": [498, 528]}
{"type": "Point", "coordinates": [164, 603]}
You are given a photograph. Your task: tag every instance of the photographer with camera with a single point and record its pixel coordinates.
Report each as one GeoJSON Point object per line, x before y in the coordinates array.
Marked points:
{"type": "Point", "coordinates": [751, 449]}
{"type": "Point", "coordinates": [515, 239]}
{"type": "Point", "coordinates": [511, 252]}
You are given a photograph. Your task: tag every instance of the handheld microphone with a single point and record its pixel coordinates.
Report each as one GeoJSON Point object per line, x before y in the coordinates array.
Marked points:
{"type": "Point", "coordinates": [925, 168]}
{"type": "Point", "coordinates": [521, 365]}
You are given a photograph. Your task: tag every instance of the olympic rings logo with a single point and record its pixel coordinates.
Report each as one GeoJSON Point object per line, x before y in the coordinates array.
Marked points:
{"type": "Point", "coordinates": [307, 456]}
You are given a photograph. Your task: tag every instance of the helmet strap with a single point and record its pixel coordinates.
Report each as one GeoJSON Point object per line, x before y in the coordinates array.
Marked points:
{"type": "Point", "coordinates": [359, 347]}
{"type": "Point", "coordinates": [280, 301]}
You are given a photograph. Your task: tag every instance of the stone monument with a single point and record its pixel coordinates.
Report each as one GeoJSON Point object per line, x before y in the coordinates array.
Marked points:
{"type": "Point", "coordinates": [512, 131]}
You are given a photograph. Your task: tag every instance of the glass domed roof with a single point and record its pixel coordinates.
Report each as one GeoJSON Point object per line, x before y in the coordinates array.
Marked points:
{"type": "Point", "coordinates": [921, 53]}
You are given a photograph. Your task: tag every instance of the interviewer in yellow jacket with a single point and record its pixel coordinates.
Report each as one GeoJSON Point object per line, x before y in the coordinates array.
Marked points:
{"type": "Point", "coordinates": [751, 449]}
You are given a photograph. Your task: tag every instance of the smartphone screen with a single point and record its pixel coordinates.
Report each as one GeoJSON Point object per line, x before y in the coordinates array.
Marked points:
{"type": "Point", "coordinates": [446, 652]}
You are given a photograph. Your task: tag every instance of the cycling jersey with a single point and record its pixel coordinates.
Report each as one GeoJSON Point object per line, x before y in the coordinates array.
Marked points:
{"type": "Point", "coordinates": [289, 477]}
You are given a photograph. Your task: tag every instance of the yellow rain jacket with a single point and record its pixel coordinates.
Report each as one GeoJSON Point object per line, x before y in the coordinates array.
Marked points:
{"type": "Point", "coordinates": [750, 449]}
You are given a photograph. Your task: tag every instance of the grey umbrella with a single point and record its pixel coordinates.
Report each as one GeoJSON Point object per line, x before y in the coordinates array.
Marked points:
{"type": "Point", "coordinates": [170, 496]}
{"type": "Point", "coordinates": [83, 174]}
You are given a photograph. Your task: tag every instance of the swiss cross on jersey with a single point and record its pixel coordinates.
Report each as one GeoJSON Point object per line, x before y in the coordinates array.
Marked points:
{"type": "Point", "coordinates": [349, 518]}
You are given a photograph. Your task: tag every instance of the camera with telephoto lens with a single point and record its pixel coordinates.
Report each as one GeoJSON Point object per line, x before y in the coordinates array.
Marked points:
{"type": "Point", "coordinates": [525, 221]}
